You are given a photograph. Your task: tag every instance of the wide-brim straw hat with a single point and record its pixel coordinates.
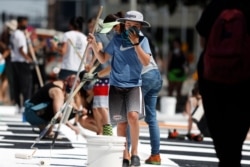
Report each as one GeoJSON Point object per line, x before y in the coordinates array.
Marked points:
{"type": "Point", "coordinates": [134, 16]}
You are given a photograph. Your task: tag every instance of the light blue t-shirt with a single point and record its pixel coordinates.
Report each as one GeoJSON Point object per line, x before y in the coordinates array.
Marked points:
{"type": "Point", "coordinates": [126, 67]}
{"type": "Point", "coordinates": [100, 37]}
{"type": "Point", "coordinates": [105, 41]}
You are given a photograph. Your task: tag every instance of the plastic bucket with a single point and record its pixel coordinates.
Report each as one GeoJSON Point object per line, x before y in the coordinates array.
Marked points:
{"type": "Point", "coordinates": [168, 105]}
{"type": "Point", "coordinates": [105, 151]}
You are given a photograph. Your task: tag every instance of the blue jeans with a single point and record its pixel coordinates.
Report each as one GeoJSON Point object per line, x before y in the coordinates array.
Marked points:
{"type": "Point", "coordinates": [151, 86]}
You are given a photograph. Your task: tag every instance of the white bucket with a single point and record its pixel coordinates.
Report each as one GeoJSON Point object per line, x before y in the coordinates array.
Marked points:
{"type": "Point", "coordinates": [105, 151]}
{"type": "Point", "coordinates": [168, 105]}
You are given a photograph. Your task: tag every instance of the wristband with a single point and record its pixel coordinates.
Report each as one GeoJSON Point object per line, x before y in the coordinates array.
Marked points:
{"type": "Point", "coordinates": [136, 44]}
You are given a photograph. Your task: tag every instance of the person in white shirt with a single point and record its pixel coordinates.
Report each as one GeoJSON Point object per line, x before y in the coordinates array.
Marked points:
{"type": "Point", "coordinates": [72, 48]}
{"type": "Point", "coordinates": [21, 63]}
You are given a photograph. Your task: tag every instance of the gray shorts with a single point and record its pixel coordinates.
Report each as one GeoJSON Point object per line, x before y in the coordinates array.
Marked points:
{"type": "Point", "coordinates": [124, 100]}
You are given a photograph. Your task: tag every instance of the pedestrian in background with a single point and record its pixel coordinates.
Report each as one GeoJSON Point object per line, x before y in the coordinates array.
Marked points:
{"type": "Point", "coordinates": [176, 68]}
{"type": "Point", "coordinates": [21, 63]}
{"type": "Point", "coordinates": [6, 87]}
{"type": "Point", "coordinates": [128, 53]}
{"type": "Point", "coordinates": [193, 102]}
{"type": "Point", "coordinates": [70, 59]}
{"type": "Point", "coordinates": [225, 105]}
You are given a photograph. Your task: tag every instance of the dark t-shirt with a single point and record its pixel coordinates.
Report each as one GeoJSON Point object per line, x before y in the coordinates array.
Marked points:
{"type": "Point", "coordinates": [177, 61]}
{"type": "Point", "coordinates": [43, 96]}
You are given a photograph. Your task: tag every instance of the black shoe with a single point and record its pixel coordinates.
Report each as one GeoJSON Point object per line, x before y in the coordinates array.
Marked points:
{"type": "Point", "coordinates": [125, 163]}
{"type": "Point", "coordinates": [135, 161]}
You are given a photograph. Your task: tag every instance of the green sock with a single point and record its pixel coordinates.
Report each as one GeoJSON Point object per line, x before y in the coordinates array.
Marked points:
{"type": "Point", "coordinates": [107, 130]}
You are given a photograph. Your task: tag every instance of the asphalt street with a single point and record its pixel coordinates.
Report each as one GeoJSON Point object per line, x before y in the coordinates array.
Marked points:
{"type": "Point", "coordinates": [17, 137]}
{"type": "Point", "coordinates": [70, 150]}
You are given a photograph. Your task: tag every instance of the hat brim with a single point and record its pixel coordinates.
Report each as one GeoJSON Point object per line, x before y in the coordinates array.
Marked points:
{"type": "Point", "coordinates": [11, 26]}
{"type": "Point", "coordinates": [143, 23]}
{"type": "Point", "coordinates": [108, 26]}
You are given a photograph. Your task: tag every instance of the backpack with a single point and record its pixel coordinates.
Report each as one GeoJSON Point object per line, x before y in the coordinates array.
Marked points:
{"type": "Point", "coordinates": [227, 53]}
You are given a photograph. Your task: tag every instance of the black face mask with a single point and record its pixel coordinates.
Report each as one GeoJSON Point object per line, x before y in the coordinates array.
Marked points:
{"type": "Point", "coordinates": [22, 27]}
{"type": "Point", "coordinates": [68, 89]}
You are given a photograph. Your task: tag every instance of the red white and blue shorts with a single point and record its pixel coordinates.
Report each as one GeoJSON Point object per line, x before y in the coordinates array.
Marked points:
{"type": "Point", "coordinates": [101, 92]}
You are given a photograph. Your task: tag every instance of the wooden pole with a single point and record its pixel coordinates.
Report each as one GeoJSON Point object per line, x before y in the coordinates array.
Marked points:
{"type": "Point", "coordinates": [32, 52]}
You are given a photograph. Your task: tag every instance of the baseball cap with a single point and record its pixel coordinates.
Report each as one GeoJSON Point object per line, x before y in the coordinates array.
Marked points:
{"type": "Point", "coordinates": [106, 27]}
{"type": "Point", "coordinates": [134, 16]}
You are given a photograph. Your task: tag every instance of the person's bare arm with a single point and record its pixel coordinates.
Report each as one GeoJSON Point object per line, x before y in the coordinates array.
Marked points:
{"type": "Point", "coordinates": [89, 59]}
{"type": "Point", "coordinates": [99, 45]}
{"type": "Point", "coordinates": [58, 100]}
{"type": "Point", "coordinates": [63, 48]}
{"type": "Point", "coordinates": [102, 57]}
{"type": "Point", "coordinates": [104, 72]}
{"type": "Point", "coordinates": [26, 56]}
{"type": "Point", "coordinates": [57, 96]}
{"type": "Point", "coordinates": [143, 57]}
{"type": "Point", "coordinates": [5, 54]}
{"type": "Point", "coordinates": [6, 50]}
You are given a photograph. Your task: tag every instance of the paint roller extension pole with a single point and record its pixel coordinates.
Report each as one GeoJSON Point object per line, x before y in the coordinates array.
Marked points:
{"type": "Point", "coordinates": [78, 72]}
{"type": "Point", "coordinates": [32, 52]}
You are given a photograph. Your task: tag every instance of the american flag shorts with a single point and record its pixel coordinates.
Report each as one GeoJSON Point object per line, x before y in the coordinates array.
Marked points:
{"type": "Point", "coordinates": [101, 92]}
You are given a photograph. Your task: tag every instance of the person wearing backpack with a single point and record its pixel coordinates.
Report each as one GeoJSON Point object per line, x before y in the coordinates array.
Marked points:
{"type": "Point", "coordinates": [224, 98]}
